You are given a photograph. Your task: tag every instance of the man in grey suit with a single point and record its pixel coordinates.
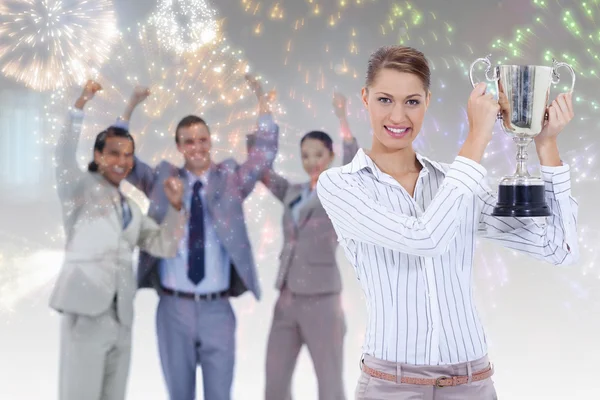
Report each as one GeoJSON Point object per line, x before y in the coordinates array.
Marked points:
{"type": "Point", "coordinates": [96, 286]}
{"type": "Point", "coordinates": [195, 322]}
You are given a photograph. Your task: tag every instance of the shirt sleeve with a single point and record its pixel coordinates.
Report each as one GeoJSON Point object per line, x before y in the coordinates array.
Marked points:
{"type": "Point", "coordinates": [357, 215]}
{"type": "Point", "coordinates": [553, 239]}
{"type": "Point", "coordinates": [67, 170]}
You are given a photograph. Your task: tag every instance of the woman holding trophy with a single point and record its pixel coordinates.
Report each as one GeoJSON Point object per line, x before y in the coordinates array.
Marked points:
{"type": "Point", "coordinates": [408, 224]}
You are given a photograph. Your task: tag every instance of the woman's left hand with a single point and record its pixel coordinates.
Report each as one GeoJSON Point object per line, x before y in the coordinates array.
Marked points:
{"type": "Point", "coordinates": [560, 113]}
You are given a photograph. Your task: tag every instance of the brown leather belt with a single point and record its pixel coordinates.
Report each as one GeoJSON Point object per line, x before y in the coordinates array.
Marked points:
{"type": "Point", "coordinates": [195, 296]}
{"type": "Point", "coordinates": [442, 381]}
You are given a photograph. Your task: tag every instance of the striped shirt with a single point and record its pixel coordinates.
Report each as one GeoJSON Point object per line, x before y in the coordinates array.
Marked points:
{"type": "Point", "coordinates": [414, 255]}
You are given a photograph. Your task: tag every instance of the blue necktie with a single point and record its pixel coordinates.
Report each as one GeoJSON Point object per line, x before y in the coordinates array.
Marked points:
{"type": "Point", "coordinates": [126, 211]}
{"type": "Point", "coordinates": [196, 237]}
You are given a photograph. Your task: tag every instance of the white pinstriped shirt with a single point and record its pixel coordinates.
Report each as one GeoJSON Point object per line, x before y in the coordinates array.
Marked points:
{"type": "Point", "coordinates": [414, 256]}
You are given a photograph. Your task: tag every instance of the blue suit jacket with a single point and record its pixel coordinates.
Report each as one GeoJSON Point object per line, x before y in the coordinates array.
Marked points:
{"type": "Point", "coordinates": [229, 183]}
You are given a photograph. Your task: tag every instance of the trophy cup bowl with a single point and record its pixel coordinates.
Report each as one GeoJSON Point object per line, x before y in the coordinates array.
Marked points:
{"type": "Point", "coordinates": [523, 93]}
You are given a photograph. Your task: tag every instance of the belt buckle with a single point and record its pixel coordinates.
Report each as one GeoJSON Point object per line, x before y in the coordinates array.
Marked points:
{"type": "Point", "coordinates": [438, 381]}
{"type": "Point", "coordinates": [196, 297]}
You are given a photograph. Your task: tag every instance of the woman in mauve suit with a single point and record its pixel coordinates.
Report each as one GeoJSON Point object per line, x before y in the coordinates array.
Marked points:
{"type": "Point", "coordinates": [308, 310]}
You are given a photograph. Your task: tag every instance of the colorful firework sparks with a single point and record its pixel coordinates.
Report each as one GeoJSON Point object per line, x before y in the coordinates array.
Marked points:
{"type": "Point", "coordinates": [185, 25]}
{"type": "Point", "coordinates": [344, 47]}
{"type": "Point", "coordinates": [208, 82]}
{"type": "Point", "coordinates": [399, 20]}
{"type": "Point", "coordinates": [48, 44]}
{"type": "Point", "coordinates": [331, 12]}
{"type": "Point", "coordinates": [575, 26]}
{"type": "Point", "coordinates": [326, 46]}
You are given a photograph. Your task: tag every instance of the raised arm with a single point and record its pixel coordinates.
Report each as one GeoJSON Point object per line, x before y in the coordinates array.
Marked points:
{"type": "Point", "coordinates": [357, 215]}
{"type": "Point", "coordinates": [350, 145]}
{"type": "Point", "coordinates": [262, 154]}
{"type": "Point", "coordinates": [139, 95]}
{"type": "Point", "coordinates": [553, 239]}
{"type": "Point", "coordinates": [162, 240]}
{"type": "Point", "coordinates": [276, 183]}
{"type": "Point", "coordinates": [142, 175]}
{"type": "Point", "coordinates": [67, 170]}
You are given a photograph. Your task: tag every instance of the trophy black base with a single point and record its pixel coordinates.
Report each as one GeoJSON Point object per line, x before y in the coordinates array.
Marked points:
{"type": "Point", "coordinates": [521, 201]}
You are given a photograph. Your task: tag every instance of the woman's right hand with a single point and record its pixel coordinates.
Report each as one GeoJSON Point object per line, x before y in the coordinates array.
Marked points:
{"type": "Point", "coordinates": [339, 105]}
{"type": "Point", "coordinates": [482, 110]}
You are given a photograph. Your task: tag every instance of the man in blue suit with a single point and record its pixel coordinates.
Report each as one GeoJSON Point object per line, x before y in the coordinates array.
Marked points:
{"type": "Point", "coordinates": [195, 321]}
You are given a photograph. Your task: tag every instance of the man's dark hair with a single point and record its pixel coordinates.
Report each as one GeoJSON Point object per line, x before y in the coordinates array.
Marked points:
{"type": "Point", "coordinates": [321, 136]}
{"type": "Point", "coordinates": [188, 121]}
{"type": "Point", "coordinates": [101, 142]}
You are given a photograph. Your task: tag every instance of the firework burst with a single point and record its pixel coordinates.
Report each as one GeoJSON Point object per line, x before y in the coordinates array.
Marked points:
{"type": "Point", "coordinates": [48, 44]}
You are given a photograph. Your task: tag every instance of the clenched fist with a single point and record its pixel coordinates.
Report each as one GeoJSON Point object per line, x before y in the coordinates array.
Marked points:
{"type": "Point", "coordinates": [482, 110]}
{"type": "Point", "coordinates": [254, 85]}
{"type": "Point", "coordinates": [140, 93]}
{"type": "Point", "coordinates": [174, 191]}
{"type": "Point", "coordinates": [89, 90]}
{"type": "Point", "coordinates": [339, 104]}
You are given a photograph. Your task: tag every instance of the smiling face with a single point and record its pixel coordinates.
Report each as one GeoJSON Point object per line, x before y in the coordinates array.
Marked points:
{"type": "Point", "coordinates": [115, 161]}
{"type": "Point", "coordinates": [194, 143]}
{"type": "Point", "coordinates": [396, 102]}
{"type": "Point", "coordinates": [316, 157]}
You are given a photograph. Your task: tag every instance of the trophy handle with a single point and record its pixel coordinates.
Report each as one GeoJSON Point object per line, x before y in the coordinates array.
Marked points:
{"type": "Point", "coordinates": [488, 69]}
{"type": "Point", "coordinates": [556, 76]}
{"type": "Point", "coordinates": [485, 60]}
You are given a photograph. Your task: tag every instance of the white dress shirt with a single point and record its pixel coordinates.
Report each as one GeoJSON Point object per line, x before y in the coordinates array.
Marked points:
{"type": "Point", "coordinates": [414, 256]}
{"type": "Point", "coordinates": [217, 270]}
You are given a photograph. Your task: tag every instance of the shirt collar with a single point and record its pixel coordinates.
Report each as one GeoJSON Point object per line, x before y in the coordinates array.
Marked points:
{"type": "Point", "coordinates": [362, 161]}
{"type": "Point", "coordinates": [105, 182]}
{"type": "Point", "coordinates": [192, 178]}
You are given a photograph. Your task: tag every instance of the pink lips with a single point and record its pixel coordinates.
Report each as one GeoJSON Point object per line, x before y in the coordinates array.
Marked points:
{"type": "Point", "coordinates": [398, 135]}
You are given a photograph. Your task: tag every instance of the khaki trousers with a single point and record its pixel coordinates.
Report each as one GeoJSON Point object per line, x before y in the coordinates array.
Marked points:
{"type": "Point", "coordinates": [370, 388]}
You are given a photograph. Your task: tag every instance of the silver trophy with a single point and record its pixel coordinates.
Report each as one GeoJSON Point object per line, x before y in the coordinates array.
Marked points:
{"type": "Point", "coordinates": [523, 94]}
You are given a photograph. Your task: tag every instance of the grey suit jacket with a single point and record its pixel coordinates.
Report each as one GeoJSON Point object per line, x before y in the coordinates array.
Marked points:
{"type": "Point", "coordinates": [307, 261]}
{"type": "Point", "coordinates": [229, 183]}
{"type": "Point", "coordinates": [99, 253]}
